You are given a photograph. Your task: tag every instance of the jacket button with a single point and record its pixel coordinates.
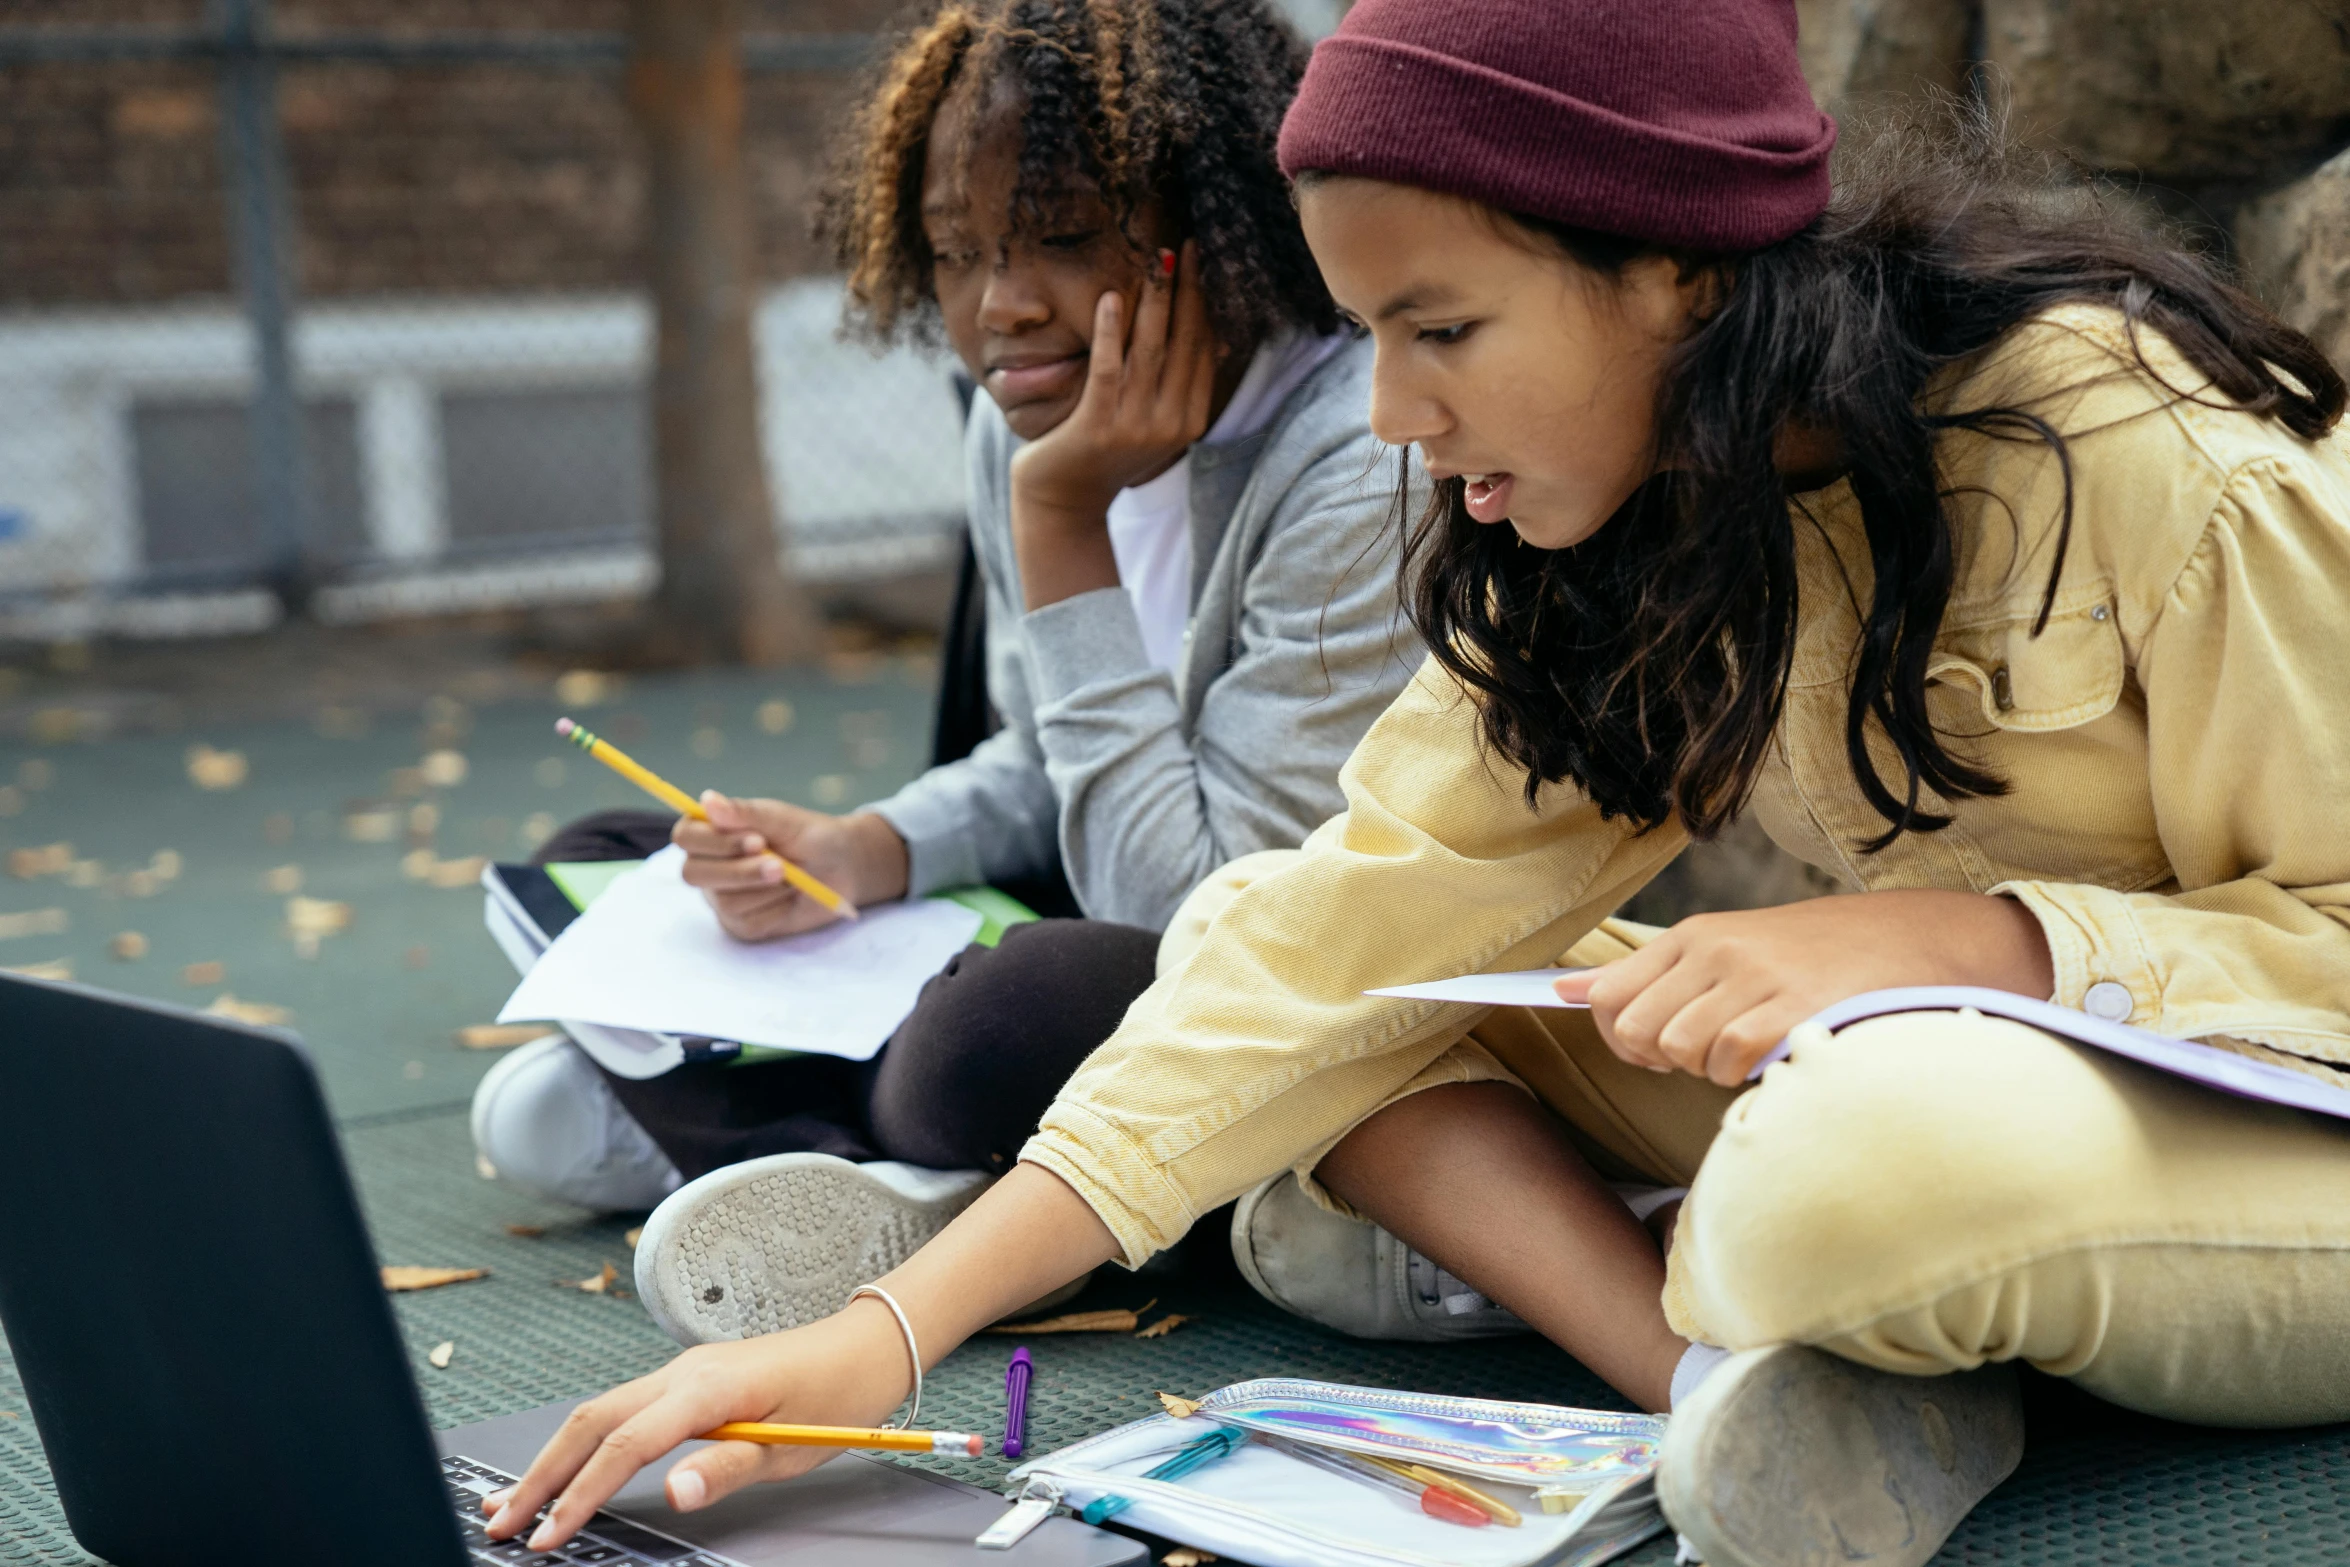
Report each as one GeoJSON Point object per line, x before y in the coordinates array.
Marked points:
{"type": "Point", "coordinates": [2110, 1001]}
{"type": "Point", "coordinates": [2002, 688]}
{"type": "Point", "coordinates": [2099, 613]}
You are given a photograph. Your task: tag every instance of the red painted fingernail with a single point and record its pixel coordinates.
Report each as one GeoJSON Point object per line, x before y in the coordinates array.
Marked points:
{"type": "Point", "coordinates": [1166, 263]}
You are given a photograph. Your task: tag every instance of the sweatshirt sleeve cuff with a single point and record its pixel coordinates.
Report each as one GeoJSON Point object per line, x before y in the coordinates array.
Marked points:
{"type": "Point", "coordinates": [941, 849]}
{"type": "Point", "coordinates": [1081, 640]}
{"type": "Point", "coordinates": [2095, 948]}
{"type": "Point", "coordinates": [1072, 1142]}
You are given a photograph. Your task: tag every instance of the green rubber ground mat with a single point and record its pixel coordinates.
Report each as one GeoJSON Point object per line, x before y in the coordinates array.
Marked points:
{"type": "Point", "coordinates": [342, 809]}
{"type": "Point", "coordinates": [2097, 1487]}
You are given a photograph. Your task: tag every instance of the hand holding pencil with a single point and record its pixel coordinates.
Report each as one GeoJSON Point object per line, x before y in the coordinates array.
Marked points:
{"type": "Point", "coordinates": [768, 868]}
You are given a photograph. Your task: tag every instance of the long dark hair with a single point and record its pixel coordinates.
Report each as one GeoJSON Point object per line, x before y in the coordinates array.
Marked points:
{"type": "Point", "coordinates": [1648, 664]}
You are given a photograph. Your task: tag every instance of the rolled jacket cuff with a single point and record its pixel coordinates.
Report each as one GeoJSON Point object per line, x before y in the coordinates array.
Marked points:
{"type": "Point", "coordinates": [2093, 943]}
{"type": "Point", "coordinates": [1081, 640]}
{"type": "Point", "coordinates": [1110, 1173]}
{"type": "Point", "coordinates": [941, 848]}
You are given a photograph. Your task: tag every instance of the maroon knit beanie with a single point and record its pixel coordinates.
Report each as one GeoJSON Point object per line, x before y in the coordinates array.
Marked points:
{"type": "Point", "coordinates": [1683, 122]}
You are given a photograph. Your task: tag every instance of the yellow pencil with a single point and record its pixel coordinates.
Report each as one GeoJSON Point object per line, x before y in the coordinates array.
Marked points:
{"type": "Point", "coordinates": [847, 1436]}
{"type": "Point", "coordinates": [678, 800]}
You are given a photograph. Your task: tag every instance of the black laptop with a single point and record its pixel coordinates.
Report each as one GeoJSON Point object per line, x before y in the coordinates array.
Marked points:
{"type": "Point", "coordinates": [216, 1374]}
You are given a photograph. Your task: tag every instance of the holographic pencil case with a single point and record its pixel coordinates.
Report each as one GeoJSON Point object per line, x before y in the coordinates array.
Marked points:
{"type": "Point", "coordinates": [1580, 1482]}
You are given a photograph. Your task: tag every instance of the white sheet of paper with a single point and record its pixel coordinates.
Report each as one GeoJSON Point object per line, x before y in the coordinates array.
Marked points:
{"type": "Point", "coordinates": [1525, 988]}
{"type": "Point", "coordinates": [649, 954]}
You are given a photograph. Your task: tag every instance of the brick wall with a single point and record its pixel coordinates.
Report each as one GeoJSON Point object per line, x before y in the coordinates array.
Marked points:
{"type": "Point", "coordinates": [434, 179]}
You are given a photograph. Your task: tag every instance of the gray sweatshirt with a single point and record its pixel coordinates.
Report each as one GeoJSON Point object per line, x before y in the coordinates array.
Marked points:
{"type": "Point", "coordinates": [1140, 781]}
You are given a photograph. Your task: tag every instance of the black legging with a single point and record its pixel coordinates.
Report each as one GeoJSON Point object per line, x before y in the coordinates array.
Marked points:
{"type": "Point", "coordinates": [960, 1085]}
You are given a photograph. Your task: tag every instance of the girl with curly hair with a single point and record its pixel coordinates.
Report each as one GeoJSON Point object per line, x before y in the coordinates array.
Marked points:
{"type": "Point", "coordinates": [1991, 551]}
{"type": "Point", "coordinates": [1177, 507]}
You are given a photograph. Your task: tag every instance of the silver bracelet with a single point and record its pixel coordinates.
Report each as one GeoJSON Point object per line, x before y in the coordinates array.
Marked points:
{"type": "Point", "coordinates": [913, 1350]}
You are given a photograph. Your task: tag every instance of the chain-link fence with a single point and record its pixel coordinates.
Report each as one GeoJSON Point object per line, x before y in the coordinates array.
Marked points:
{"type": "Point", "coordinates": [346, 296]}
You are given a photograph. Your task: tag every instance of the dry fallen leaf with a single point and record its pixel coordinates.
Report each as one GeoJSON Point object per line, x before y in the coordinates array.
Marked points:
{"type": "Point", "coordinates": [317, 916]}
{"type": "Point", "coordinates": [529, 1232]}
{"type": "Point", "coordinates": [457, 873]}
{"type": "Point", "coordinates": [1187, 1556]}
{"type": "Point", "coordinates": [417, 864]}
{"type": "Point", "coordinates": [1082, 1322]}
{"type": "Point", "coordinates": [601, 1284]}
{"type": "Point", "coordinates": [371, 823]}
{"type": "Point", "coordinates": [204, 974]}
{"type": "Point", "coordinates": [1164, 1326]}
{"type": "Point", "coordinates": [48, 860]}
{"type": "Point", "coordinates": [498, 1036]}
{"type": "Point", "coordinates": [584, 688]}
{"type": "Point", "coordinates": [633, 1236]}
{"type": "Point", "coordinates": [33, 922]}
{"type": "Point", "coordinates": [443, 769]}
{"type": "Point", "coordinates": [55, 968]}
{"type": "Point", "coordinates": [127, 946]}
{"type": "Point", "coordinates": [408, 1276]}
{"type": "Point", "coordinates": [1180, 1408]}
{"type": "Point", "coordinates": [282, 880]}
{"type": "Point", "coordinates": [258, 1013]}
{"type": "Point", "coordinates": [210, 769]}
{"type": "Point", "coordinates": [442, 1354]}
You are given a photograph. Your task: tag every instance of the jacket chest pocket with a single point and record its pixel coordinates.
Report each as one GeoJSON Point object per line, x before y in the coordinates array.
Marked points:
{"type": "Point", "coordinates": [1998, 670]}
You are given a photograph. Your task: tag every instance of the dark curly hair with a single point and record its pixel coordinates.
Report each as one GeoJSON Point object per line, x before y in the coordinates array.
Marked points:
{"type": "Point", "coordinates": [1648, 663]}
{"type": "Point", "coordinates": [1174, 100]}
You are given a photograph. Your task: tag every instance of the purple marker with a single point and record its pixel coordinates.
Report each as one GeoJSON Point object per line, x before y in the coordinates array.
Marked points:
{"type": "Point", "coordinates": [1016, 1377]}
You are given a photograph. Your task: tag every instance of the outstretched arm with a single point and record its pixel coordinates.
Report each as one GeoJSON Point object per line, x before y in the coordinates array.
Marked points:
{"type": "Point", "coordinates": [1028, 1235]}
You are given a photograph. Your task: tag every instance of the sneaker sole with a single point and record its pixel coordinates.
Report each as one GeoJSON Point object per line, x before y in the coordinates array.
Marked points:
{"type": "Point", "coordinates": [777, 1242]}
{"type": "Point", "coordinates": [1791, 1457]}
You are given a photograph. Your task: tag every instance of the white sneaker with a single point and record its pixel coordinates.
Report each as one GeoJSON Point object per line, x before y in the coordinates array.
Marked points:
{"type": "Point", "coordinates": [776, 1242]}
{"type": "Point", "coordinates": [1353, 1276]}
{"type": "Point", "coordinates": [545, 1120]}
{"type": "Point", "coordinates": [1793, 1457]}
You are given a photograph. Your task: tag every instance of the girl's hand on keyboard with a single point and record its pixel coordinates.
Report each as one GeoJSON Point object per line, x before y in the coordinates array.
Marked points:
{"type": "Point", "coordinates": [849, 1369]}
{"type": "Point", "coordinates": [1027, 1235]}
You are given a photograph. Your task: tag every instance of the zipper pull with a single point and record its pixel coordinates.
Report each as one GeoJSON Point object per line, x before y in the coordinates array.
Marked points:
{"type": "Point", "coordinates": [1038, 1502]}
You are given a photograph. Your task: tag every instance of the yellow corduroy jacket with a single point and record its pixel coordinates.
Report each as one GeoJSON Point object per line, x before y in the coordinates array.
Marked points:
{"type": "Point", "coordinates": [2176, 741]}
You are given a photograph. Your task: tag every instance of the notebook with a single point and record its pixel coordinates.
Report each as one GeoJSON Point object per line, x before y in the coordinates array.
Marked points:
{"type": "Point", "coordinates": [2209, 1065]}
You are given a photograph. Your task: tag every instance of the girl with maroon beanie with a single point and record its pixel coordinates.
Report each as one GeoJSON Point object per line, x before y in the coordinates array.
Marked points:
{"type": "Point", "coordinates": [1994, 556]}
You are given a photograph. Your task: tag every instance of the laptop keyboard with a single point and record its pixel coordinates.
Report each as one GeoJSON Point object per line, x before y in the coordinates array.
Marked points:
{"type": "Point", "coordinates": [607, 1541]}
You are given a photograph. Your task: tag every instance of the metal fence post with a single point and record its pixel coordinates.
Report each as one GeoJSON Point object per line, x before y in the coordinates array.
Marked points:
{"type": "Point", "coordinates": [261, 230]}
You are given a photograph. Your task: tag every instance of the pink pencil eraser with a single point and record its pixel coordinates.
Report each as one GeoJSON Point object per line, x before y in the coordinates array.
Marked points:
{"type": "Point", "coordinates": [564, 726]}
{"type": "Point", "coordinates": [977, 1447]}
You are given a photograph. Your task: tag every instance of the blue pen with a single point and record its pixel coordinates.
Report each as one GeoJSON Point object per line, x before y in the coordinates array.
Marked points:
{"type": "Point", "coordinates": [1218, 1443]}
{"type": "Point", "coordinates": [1016, 1377]}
